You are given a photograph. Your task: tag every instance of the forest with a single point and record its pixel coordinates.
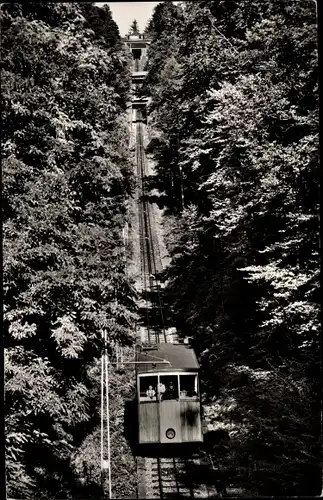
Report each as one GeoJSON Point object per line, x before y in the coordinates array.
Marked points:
{"type": "Point", "coordinates": [234, 134]}
{"type": "Point", "coordinates": [67, 176]}
{"type": "Point", "coordinates": [233, 121]}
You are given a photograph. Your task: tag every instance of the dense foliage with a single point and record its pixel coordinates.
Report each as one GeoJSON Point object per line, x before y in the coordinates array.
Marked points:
{"type": "Point", "coordinates": [234, 132]}
{"type": "Point", "coordinates": [99, 19]}
{"type": "Point", "coordinates": [66, 180]}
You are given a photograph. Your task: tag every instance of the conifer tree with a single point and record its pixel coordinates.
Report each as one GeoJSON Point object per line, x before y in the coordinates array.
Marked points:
{"type": "Point", "coordinates": [134, 29]}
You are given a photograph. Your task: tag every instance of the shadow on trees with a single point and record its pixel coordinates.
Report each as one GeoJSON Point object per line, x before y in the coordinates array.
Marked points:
{"type": "Point", "coordinates": [131, 424]}
{"type": "Point", "coordinates": [88, 491]}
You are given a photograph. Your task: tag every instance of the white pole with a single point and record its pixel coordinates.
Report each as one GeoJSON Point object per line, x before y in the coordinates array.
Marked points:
{"type": "Point", "coordinates": [182, 191]}
{"type": "Point", "coordinates": [108, 415]}
{"type": "Point", "coordinates": [102, 403]}
{"type": "Point", "coordinates": [117, 354]}
{"type": "Point", "coordinates": [121, 356]}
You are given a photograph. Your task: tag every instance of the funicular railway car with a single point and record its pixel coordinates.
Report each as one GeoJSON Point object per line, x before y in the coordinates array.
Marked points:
{"type": "Point", "coordinates": [169, 408]}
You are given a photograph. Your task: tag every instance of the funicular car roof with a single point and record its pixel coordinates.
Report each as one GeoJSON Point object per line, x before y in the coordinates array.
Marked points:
{"type": "Point", "coordinates": [180, 356]}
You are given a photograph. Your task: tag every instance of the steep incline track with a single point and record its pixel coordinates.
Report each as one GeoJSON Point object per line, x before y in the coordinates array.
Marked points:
{"type": "Point", "coordinates": [155, 320]}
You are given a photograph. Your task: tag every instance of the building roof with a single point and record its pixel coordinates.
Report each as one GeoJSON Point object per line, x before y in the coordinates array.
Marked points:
{"type": "Point", "coordinates": [131, 38]}
{"type": "Point", "coordinates": [180, 356]}
{"type": "Point", "coordinates": [139, 74]}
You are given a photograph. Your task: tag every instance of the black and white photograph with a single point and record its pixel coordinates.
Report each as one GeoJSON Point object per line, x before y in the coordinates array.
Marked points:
{"type": "Point", "coordinates": [161, 250]}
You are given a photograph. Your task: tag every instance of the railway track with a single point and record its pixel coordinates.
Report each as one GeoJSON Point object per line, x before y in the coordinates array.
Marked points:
{"type": "Point", "coordinates": [177, 477]}
{"type": "Point", "coordinates": [155, 319]}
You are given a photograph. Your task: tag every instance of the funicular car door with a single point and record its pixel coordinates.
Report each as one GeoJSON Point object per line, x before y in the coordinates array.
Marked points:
{"type": "Point", "coordinates": [169, 409]}
{"type": "Point", "coordinates": [148, 410]}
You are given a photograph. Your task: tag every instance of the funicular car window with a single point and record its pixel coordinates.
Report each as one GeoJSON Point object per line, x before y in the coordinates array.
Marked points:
{"type": "Point", "coordinates": [188, 387]}
{"type": "Point", "coordinates": [148, 388]}
{"type": "Point", "coordinates": [168, 387]}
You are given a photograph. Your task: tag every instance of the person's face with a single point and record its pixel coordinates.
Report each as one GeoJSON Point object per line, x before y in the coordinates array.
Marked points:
{"type": "Point", "coordinates": [150, 387]}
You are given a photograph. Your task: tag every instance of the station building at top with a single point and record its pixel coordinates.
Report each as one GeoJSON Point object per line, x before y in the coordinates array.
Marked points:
{"type": "Point", "coordinates": [138, 45]}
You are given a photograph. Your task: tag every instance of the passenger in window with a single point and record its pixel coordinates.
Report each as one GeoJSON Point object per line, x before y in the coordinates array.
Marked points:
{"type": "Point", "coordinates": [161, 389]}
{"type": "Point", "coordinates": [170, 393]}
{"type": "Point", "coordinates": [151, 393]}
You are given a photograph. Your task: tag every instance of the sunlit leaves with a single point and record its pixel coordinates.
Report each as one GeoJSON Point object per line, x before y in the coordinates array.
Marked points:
{"type": "Point", "coordinates": [66, 180]}
{"type": "Point", "coordinates": [20, 331]}
{"type": "Point", "coordinates": [68, 338]}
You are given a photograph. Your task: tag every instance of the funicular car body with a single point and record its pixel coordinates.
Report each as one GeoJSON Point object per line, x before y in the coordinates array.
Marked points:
{"type": "Point", "coordinates": [169, 408]}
